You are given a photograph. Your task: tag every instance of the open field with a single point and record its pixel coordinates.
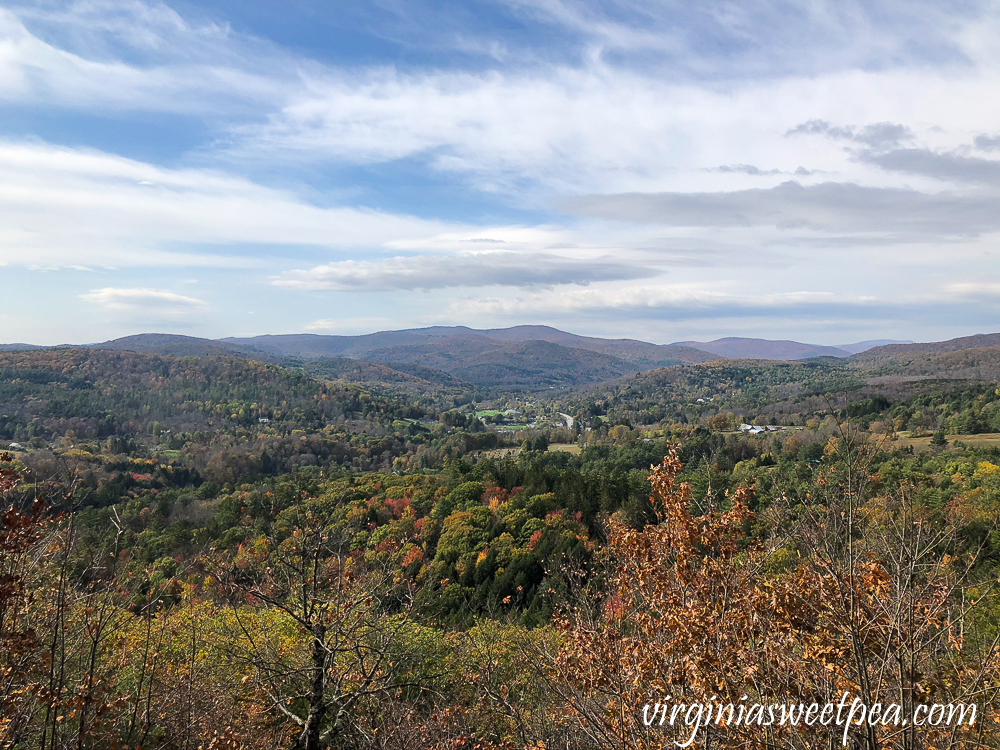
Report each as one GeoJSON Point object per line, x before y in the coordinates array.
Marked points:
{"type": "Point", "coordinates": [983, 439]}
{"type": "Point", "coordinates": [565, 448]}
{"type": "Point", "coordinates": [489, 413]}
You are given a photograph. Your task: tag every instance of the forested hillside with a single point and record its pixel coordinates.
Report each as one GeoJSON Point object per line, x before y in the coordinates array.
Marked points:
{"type": "Point", "coordinates": [108, 392]}
{"type": "Point", "coordinates": [464, 342]}
{"type": "Point", "coordinates": [221, 552]}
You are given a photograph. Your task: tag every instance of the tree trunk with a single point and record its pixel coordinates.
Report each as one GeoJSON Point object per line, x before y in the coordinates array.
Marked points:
{"type": "Point", "coordinates": [317, 697]}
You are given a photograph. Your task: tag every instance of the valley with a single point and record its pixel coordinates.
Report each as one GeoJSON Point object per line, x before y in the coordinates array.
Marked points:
{"type": "Point", "coordinates": [476, 486]}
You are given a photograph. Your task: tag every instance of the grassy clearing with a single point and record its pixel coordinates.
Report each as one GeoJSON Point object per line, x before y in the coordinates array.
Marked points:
{"type": "Point", "coordinates": [565, 448]}
{"type": "Point", "coordinates": [985, 439]}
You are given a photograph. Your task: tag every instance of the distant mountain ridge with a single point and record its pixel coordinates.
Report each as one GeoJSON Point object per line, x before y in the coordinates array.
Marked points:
{"type": "Point", "coordinates": [748, 348]}
{"type": "Point", "coordinates": [521, 356]}
{"type": "Point", "coordinates": [390, 345]}
{"type": "Point", "coordinates": [900, 350]}
{"type": "Point", "coordinates": [863, 346]}
{"type": "Point", "coordinates": [524, 356]}
{"type": "Point", "coordinates": [172, 344]}
{"type": "Point", "coordinates": [743, 348]}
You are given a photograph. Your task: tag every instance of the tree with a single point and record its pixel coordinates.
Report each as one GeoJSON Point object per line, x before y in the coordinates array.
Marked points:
{"type": "Point", "coordinates": [20, 642]}
{"type": "Point", "coordinates": [721, 421]}
{"type": "Point", "coordinates": [335, 637]}
{"type": "Point", "coordinates": [861, 595]}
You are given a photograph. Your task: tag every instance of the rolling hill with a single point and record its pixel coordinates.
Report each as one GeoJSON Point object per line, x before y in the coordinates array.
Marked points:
{"type": "Point", "coordinates": [747, 348]}
{"type": "Point", "coordinates": [902, 352]}
{"type": "Point", "coordinates": [461, 339]}
{"type": "Point", "coordinates": [96, 392]}
{"type": "Point", "coordinates": [363, 371]}
{"type": "Point", "coordinates": [177, 346]}
{"type": "Point", "coordinates": [742, 348]}
{"type": "Point", "coordinates": [398, 357]}
{"type": "Point", "coordinates": [486, 362]}
{"type": "Point", "coordinates": [522, 357]}
{"type": "Point", "coordinates": [863, 346]}
{"type": "Point", "coordinates": [422, 360]}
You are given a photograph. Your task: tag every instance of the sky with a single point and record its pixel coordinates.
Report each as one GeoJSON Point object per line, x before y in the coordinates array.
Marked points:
{"type": "Point", "coordinates": [825, 171]}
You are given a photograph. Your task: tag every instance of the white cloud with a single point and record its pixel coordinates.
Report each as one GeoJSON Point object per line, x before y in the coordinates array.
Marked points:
{"type": "Point", "coordinates": [607, 129]}
{"type": "Point", "coordinates": [71, 207]}
{"type": "Point", "coordinates": [497, 268]}
{"type": "Point", "coordinates": [192, 70]}
{"type": "Point", "coordinates": [350, 325]}
{"type": "Point", "coordinates": [975, 290]}
{"type": "Point", "coordinates": [571, 127]}
{"type": "Point", "coordinates": [756, 39]}
{"type": "Point", "coordinates": [152, 301]}
{"type": "Point", "coordinates": [825, 207]}
{"type": "Point", "coordinates": [688, 300]}
{"type": "Point", "coordinates": [640, 137]}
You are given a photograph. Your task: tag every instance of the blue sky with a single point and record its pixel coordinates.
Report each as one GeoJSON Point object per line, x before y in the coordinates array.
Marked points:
{"type": "Point", "coordinates": [824, 171]}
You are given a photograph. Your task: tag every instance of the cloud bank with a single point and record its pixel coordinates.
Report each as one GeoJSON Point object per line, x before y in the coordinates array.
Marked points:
{"type": "Point", "coordinates": [655, 169]}
{"type": "Point", "coordinates": [464, 270]}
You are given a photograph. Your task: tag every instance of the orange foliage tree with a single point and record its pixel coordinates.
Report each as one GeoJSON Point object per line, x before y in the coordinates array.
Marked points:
{"type": "Point", "coordinates": [696, 611]}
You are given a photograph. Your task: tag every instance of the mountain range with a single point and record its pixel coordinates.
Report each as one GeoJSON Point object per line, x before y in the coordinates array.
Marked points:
{"type": "Point", "coordinates": [741, 348]}
{"type": "Point", "coordinates": [519, 357]}
{"type": "Point", "coordinates": [440, 344]}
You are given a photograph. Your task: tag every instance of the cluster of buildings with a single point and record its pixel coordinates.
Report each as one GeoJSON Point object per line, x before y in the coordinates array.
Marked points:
{"type": "Point", "coordinates": [756, 429]}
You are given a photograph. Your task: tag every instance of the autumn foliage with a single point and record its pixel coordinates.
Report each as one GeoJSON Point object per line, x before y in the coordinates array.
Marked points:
{"type": "Point", "coordinates": [296, 638]}
{"type": "Point", "coordinates": [696, 610]}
